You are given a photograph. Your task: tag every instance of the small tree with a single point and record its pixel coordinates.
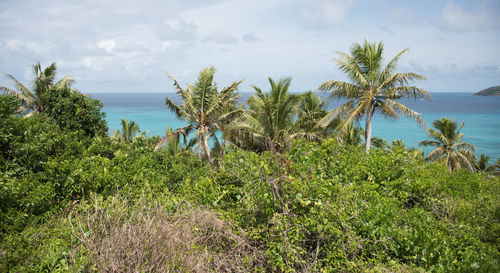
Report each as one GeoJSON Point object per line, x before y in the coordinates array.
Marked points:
{"type": "Point", "coordinates": [75, 111]}
{"type": "Point", "coordinates": [205, 108]}
{"type": "Point", "coordinates": [449, 145]}
{"type": "Point", "coordinates": [129, 131]}
{"type": "Point", "coordinates": [32, 100]}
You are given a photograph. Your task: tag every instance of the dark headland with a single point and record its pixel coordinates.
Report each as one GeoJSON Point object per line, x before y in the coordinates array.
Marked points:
{"type": "Point", "coordinates": [492, 91]}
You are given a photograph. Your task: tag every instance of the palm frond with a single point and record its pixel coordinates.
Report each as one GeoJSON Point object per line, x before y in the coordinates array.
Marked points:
{"type": "Point", "coordinates": [349, 66]}
{"type": "Point", "coordinates": [66, 81]}
{"type": "Point", "coordinates": [178, 110]}
{"type": "Point", "coordinates": [389, 68]}
{"type": "Point", "coordinates": [427, 143]}
{"type": "Point", "coordinates": [409, 113]}
{"type": "Point", "coordinates": [436, 153]}
{"type": "Point", "coordinates": [465, 160]}
{"type": "Point", "coordinates": [339, 89]}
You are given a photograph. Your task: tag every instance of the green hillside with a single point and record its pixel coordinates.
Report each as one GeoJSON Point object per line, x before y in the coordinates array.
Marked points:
{"type": "Point", "coordinates": [492, 91]}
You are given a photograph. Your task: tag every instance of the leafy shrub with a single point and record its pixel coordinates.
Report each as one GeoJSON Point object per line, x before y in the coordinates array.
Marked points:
{"type": "Point", "coordinates": [74, 111]}
{"type": "Point", "coordinates": [334, 208]}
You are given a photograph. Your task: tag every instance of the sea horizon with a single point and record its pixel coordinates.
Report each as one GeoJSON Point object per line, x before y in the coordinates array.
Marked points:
{"type": "Point", "coordinates": [480, 113]}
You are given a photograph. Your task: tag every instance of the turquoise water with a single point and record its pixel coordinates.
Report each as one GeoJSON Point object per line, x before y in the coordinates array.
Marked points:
{"type": "Point", "coordinates": [481, 116]}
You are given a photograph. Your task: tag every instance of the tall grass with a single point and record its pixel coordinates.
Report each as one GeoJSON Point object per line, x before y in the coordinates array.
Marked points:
{"type": "Point", "coordinates": [140, 237]}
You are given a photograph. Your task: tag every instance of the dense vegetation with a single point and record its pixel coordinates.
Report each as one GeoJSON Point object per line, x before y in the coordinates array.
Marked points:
{"type": "Point", "coordinates": [288, 188]}
{"type": "Point", "coordinates": [491, 91]}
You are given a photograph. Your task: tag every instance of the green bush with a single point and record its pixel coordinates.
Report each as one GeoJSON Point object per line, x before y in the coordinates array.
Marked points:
{"type": "Point", "coordinates": [330, 207]}
{"type": "Point", "coordinates": [74, 111]}
{"type": "Point", "coordinates": [319, 207]}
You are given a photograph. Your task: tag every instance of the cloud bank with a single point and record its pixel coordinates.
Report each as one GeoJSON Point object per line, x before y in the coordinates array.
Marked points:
{"type": "Point", "coordinates": [130, 45]}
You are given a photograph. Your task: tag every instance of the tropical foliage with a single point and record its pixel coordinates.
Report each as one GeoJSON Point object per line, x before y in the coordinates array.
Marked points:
{"type": "Point", "coordinates": [172, 141]}
{"type": "Point", "coordinates": [297, 193]}
{"type": "Point", "coordinates": [311, 110]}
{"type": "Point", "coordinates": [268, 124]}
{"type": "Point", "coordinates": [372, 87]}
{"type": "Point", "coordinates": [74, 111]}
{"type": "Point", "coordinates": [205, 108]}
{"type": "Point", "coordinates": [449, 146]}
{"type": "Point", "coordinates": [130, 131]}
{"type": "Point", "coordinates": [32, 100]}
{"type": "Point", "coordinates": [482, 164]}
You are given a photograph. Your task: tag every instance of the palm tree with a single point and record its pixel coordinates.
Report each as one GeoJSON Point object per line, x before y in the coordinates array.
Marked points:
{"type": "Point", "coordinates": [449, 145]}
{"type": "Point", "coordinates": [172, 140]}
{"type": "Point", "coordinates": [351, 134]}
{"type": "Point", "coordinates": [269, 122]}
{"type": "Point", "coordinates": [310, 111]}
{"type": "Point", "coordinates": [32, 100]}
{"type": "Point", "coordinates": [372, 87]}
{"type": "Point", "coordinates": [205, 108]}
{"type": "Point", "coordinates": [128, 132]}
{"type": "Point", "coordinates": [482, 165]}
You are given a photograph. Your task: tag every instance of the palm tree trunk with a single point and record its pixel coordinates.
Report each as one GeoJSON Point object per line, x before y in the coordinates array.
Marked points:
{"type": "Point", "coordinates": [204, 149]}
{"type": "Point", "coordinates": [207, 149]}
{"type": "Point", "coordinates": [368, 128]}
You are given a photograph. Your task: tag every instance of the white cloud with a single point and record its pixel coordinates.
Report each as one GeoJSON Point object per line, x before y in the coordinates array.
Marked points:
{"type": "Point", "coordinates": [176, 30]}
{"type": "Point", "coordinates": [481, 17]}
{"type": "Point", "coordinates": [323, 13]}
{"type": "Point", "coordinates": [108, 45]}
{"type": "Point", "coordinates": [30, 46]}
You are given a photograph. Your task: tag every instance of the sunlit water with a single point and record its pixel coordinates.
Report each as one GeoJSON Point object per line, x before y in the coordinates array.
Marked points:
{"type": "Point", "coordinates": [481, 116]}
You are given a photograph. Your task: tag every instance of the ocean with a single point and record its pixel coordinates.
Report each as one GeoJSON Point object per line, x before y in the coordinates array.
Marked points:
{"type": "Point", "coordinates": [481, 115]}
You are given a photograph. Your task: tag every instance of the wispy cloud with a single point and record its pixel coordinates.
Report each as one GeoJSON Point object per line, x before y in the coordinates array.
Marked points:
{"type": "Point", "coordinates": [481, 17]}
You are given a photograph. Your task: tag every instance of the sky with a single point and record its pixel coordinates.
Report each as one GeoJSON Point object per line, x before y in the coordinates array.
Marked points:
{"type": "Point", "coordinates": [129, 46]}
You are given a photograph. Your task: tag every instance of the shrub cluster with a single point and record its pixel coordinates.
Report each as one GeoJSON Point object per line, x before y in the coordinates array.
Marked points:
{"type": "Point", "coordinates": [76, 202]}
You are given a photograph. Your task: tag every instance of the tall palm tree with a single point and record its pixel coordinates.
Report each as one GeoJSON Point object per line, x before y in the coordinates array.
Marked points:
{"type": "Point", "coordinates": [449, 146]}
{"type": "Point", "coordinates": [205, 108]}
{"type": "Point", "coordinates": [31, 100]}
{"type": "Point", "coordinates": [129, 131]}
{"type": "Point", "coordinates": [269, 122]}
{"type": "Point", "coordinates": [372, 87]}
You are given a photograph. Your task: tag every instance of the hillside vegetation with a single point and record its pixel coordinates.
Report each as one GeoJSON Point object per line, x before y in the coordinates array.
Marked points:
{"type": "Point", "coordinates": [491, 91]}
{"type": "Point", "coordinates": [73, 202]}
{"type": "Point", "coordinates": [279, 185]}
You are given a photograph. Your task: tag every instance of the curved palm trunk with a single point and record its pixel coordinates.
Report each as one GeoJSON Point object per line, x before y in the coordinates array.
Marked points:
{"type": "Point", "coordinates": [368, 128]}
{"type": "Point", "coordinates": [203, 145]}
{"type": "Point", "coordinates": [207, 149]}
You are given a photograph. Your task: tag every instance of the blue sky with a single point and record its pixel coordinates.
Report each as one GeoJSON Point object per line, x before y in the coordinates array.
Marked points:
{"type": "Point", "coordinates": [129, 46]}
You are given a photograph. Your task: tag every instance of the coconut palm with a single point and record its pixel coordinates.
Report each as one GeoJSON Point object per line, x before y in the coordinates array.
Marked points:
{"type": "Point", "coordinates": [351, 134]}
{"type": "Point", "coordinates": [31, 100]}
{"type": "Point", "coordinates": [412, 152]}
{"type": "Point", "coordinates": [129, 131]}
{"type": "Point", "coordinates": [372, 87]}
{"type": "Point", "coordinates": [449, 146]}
{"type": "Point", "coordinates": [172, 141]}
{"type": "Point", "coordinates": [310, 111]}
{"type": "Point", "coordinates": [204, 108]}
{"type": "Point", "coordinates": [482, 165]}
{"type": "Point", "coordinates": [269, 122]}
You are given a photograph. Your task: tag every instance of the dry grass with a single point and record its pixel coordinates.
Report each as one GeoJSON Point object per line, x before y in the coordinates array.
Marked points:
{"type": "Point", "coordinates": [143, 237]}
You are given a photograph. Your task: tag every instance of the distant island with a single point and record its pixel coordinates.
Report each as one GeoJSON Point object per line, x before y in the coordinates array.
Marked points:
{"type": "Point", "coordinates": [492, 91]}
